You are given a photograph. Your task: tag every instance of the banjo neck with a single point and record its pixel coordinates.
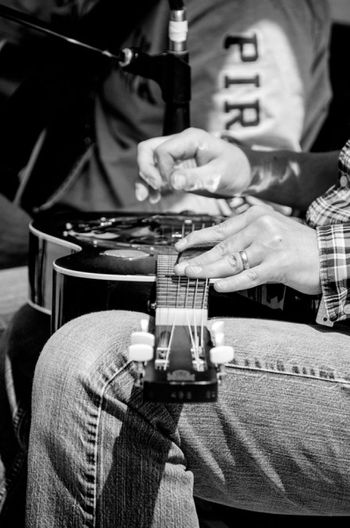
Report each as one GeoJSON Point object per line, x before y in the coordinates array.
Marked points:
{"type": "Point", "coordinates": [181, 362]}
{"type": "Point", "coordinates": [179, 299]}
{"type": "Point", "coordinates": [181, 316]}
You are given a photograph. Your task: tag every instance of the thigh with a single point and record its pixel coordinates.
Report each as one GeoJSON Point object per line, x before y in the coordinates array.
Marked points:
{"type": "Point", "coordinates": [278, 438]}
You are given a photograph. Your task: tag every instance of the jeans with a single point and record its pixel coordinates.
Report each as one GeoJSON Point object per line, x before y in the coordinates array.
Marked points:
{"type": "Point", "coordinates": [277, 440]}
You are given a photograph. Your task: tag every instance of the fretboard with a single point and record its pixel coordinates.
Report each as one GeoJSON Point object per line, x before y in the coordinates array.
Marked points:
{"type": "Point", "coordinates": [184, 299]}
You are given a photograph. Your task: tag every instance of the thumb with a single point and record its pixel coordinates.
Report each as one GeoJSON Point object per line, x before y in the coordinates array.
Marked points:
{"type": "Point", "coordinates": [210, 179]}
{"type": "Point", "coordinates": [199, 179]}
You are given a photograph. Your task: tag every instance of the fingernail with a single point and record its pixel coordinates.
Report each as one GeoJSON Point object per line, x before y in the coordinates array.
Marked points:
{"type": "Point", "coordinates": [154, 198]}
{"type": "Point", "coordinates": [236, 201]}
{"type": "Point", "coordinates": [141, 192]}
{"type": "Point", "coordinates": [180, 268]}
{"type": "Point", "coordinates": [181, 244]}
{"type": "Point", "coordinates": [178, 181]}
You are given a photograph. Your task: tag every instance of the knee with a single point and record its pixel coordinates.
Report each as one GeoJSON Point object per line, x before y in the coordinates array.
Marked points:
{"type": "Point", "coordinates": [86, 345]}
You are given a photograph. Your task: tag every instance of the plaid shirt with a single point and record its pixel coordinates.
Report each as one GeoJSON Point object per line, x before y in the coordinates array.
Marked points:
{"type": "Point", "coordinates": [330, 215]}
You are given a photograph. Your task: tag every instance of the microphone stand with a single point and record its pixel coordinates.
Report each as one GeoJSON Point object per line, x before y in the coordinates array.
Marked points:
{"type": "Point", "coordinates": [177, 109]}
{"type": "Point", "coordinates": [170, 70]}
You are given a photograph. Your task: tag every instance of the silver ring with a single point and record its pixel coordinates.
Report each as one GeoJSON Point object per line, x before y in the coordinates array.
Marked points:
{"type": "Point", "coordinates": [237, 262]}
{"type": "Point", "coordinates": [245, 260]}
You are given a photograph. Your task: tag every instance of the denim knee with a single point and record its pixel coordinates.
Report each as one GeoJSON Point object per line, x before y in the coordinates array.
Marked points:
{"type": "Point", "coordinates": [84, 346]}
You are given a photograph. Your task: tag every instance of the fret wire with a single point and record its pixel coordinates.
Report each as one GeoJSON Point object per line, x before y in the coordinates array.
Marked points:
{"type": "Point", "coordinates": [178, 291]}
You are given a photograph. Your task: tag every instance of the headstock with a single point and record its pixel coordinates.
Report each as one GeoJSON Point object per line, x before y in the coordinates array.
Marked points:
{"type": "Point", "coordinates": [181, 363]}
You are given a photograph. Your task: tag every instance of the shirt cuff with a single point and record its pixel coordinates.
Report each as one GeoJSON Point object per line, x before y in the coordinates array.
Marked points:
{"type": "Point", "coordinates": [334, 248]}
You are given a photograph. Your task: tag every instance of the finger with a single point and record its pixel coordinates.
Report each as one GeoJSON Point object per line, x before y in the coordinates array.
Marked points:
{"type": "Point", "coordinates": [154, 196]}
{"type": "Point", "coordinates": [242, 208]}
{"type": "Point", "coordinates": [214, 234]}
{"type": "Point", "coordinates": [250, 278]}
{"type": "Point", "coordinates": [148, 168]}
{"type": "Point", "coordinates": [283, 209]}
{"type": "Point", "coordinates": [144, 192]}
{"type": "Point", "coordinates": [222, 256]}
{"type": "Point", "coordinates": [237, 201]}
{"type": "Point", "coordinates": [186, 145]}
{"type": "Point", "coordinates": [253, 200]}
{"type": "Point", "coordinates": [152, 178]}
{"type": "Point", "coordinates": [204, 178]}
{"type": "Point", "coordinates": [141, 191]}
{"type": "Point", "coordinates": [229, 265]}
{"type": "Point", "coordinates": [208, 235]}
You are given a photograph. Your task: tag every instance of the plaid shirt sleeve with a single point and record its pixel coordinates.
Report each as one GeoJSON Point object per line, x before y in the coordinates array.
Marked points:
{"type": "Point", "coordinates": [330, 216]}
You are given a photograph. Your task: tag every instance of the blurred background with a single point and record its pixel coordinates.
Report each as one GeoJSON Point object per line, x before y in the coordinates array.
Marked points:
{"type": "Point", "coordinates": [21, 49]}
{"type": "Point", "coordinates": [336, 129]}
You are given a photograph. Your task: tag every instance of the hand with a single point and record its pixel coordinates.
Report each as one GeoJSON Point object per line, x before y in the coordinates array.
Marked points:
{"type": "Point", "coordinates": [194, 161]}
{"type": "Point", "coordinates": [278, 248]}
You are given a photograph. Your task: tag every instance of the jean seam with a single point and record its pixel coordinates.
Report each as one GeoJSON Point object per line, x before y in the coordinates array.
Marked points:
{"type": "Point", "coordinates": [316, 377]}
{"type": "Point", "coordinates": [91, 505]}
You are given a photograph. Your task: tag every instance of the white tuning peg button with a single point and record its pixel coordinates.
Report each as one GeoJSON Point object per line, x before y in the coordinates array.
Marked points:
{"type": "Point", "coordinates": [144, 325]}
{"type": "Point", "coordinates": [221, 354]}
{"type": "Point", "coordinates": [140, 352]}
{"type": "Point", "coordinates": [217, 326]}
{"type": "Point", "coordinates": [142, 338]}
{"type": "Point", "coordinates": [219, 339]}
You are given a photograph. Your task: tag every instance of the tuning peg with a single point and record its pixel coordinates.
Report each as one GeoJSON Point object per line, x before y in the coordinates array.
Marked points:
{"type": "Point", "coordinates": [217, 326]}
{"type": "Point", "coordinates": [142, 338]}
{"type": "Point", "coordinates": [219, 339]}
{"type": "Point", "coordinates": [144, 325]}
{"type": "Point", "coordinates": [221, 354]}
{"type": "Point", "coordinates": [217, 333]}
{"type": "Point", "coordinates": [140, 352]}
